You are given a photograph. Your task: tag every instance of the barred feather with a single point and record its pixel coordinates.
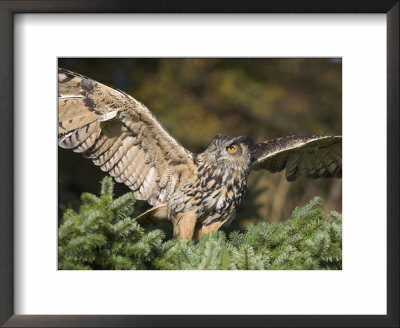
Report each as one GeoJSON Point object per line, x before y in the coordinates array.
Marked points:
{"type": "Point", "coordinates": [313, 157]}
{"type": "Point", "coordinates": [121, 136]}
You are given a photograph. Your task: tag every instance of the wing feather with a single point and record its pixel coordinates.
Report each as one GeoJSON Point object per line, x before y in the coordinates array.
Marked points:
{"type": "Point", "coordinates": [121, 136]}
{"type": "Point", "coordinates": [315, 157]}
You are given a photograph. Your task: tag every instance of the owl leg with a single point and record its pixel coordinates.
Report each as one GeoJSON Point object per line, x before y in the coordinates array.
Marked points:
{"type": "Point", "coordinates": [203, 229]}
{"type": "Point", "coordinates": [184, 224]}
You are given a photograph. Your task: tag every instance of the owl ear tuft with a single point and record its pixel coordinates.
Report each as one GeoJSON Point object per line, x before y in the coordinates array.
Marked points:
{"type": "Point", "coordinates": [218, 136]}
{"type": "Point", "coordinates": [245, 140]}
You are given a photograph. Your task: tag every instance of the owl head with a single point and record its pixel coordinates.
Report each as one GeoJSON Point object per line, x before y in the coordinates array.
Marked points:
{"type": "Point", "coordinates": [229, 151]}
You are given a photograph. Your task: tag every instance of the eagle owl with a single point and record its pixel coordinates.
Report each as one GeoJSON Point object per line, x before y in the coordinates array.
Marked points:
{"type": "Point", "coordinates": [198, 193]}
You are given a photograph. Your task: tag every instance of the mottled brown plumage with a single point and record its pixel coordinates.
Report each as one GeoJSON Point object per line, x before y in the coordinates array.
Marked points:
{"type": "Point", "coordinates": [198, 193]}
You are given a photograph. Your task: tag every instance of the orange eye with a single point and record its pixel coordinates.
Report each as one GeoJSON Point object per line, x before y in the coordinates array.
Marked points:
{"type": "Point", "coordinates": [230, 148]}
{"type": "Point", "coordinates": [215, 147]}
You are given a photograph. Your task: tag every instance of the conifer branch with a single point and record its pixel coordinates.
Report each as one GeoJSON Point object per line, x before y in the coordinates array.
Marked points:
{"type": "Point", "coordinates": [102, 235]}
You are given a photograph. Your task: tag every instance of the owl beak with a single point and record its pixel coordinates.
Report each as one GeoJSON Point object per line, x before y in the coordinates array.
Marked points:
{"type": "Point", "coordinates": [217, 154]}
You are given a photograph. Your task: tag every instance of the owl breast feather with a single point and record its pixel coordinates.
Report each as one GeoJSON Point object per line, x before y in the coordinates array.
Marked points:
{"type": "Point", "coordinates": [213, 194]}
{"type": "Point", "coordinates": [222, 191]}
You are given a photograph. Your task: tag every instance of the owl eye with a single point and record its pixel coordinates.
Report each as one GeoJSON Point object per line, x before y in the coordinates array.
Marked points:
{"type": "Point", "coordinates": [215, 147]}
{"type": "Point", "coordinates": [230, 148]}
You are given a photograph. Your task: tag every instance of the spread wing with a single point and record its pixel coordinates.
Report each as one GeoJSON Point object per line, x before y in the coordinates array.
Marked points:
{"type": "Point", "coordinates": [314, 157]}
{"type": "Point", "coordinates": [122, 136]}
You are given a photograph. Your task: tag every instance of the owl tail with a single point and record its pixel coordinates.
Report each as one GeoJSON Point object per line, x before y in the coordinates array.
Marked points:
{"type": "Point", "coordinates": [156, 215]}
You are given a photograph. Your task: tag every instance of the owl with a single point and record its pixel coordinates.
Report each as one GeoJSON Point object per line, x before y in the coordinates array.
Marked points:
{"type": "Point", "coordinates": [197, 193]}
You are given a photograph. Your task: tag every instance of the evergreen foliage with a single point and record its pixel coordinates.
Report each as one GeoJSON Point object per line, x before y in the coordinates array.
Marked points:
{"type": "Point", "coordinates": [103, 236]}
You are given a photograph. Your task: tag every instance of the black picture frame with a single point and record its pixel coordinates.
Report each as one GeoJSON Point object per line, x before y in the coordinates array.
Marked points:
{"type": "Point", "coordinates": [11, 7]}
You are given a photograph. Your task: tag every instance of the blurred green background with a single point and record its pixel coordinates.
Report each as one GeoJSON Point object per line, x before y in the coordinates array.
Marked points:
{"type": "Point", "coordinates": [198, 98]}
